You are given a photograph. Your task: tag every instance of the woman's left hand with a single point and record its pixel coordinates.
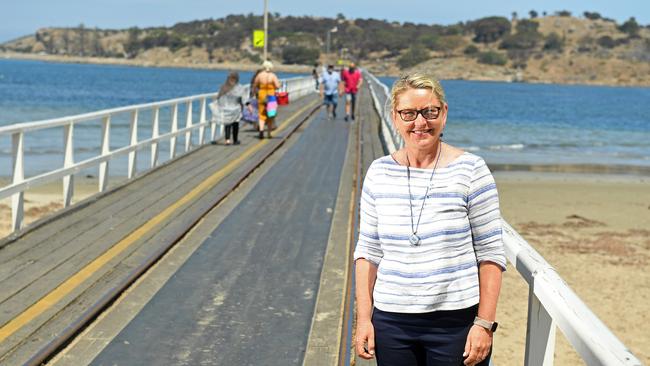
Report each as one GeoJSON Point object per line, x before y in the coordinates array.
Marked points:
{"type": "Point", "coordinates": [477, 347]}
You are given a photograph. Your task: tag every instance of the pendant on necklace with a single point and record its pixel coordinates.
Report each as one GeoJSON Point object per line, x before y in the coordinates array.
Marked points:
{"type": "Point", "coordinates": [414, 239]}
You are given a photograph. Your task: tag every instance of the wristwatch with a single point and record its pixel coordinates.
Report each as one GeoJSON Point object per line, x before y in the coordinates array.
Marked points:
{"type": "Point", "coordinates": [491, 326]}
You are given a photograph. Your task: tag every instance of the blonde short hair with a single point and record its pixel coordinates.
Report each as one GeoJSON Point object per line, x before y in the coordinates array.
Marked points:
{"type": "Point", "coordinates": [267, 65]}
{"type": "Point", "coordinates": [416, 80]}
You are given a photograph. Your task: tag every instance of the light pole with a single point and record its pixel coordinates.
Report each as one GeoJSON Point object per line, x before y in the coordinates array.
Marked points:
{"type": "Point", "coordinates": [266, 27]}
{"type": "Point", "coordinates": [329, 32]}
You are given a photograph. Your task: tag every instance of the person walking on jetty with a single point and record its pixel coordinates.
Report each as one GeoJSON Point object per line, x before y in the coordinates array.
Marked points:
{"type": "Point", "coordinates": [352, 80]}
{"type": "Point", "coordinates": [227, 107]}
{"type": "Point", "coordinates": [315, 75]}
{"type": "Point", "coordinates": [430, 256]}
{"type": "Point", "coordinates": [330, 89]}
{"type": "Point", "coordinates": [265, 85]}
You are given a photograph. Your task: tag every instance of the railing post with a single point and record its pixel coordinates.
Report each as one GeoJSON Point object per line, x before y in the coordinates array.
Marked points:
{"type": "Point", "coordinates": [188, 123]}
{"type": "Point", "coordinates": [213, 128]}
{"type": "Point", "coordinates": [172, 140]}
{"type": "Point", "coordinates": [202, 121]}
{"type": "Point", "coordinates": [68, 160]}
{"type": "Point", "coordinates": [155, 133]}
{"type": "Point", "coordinates": [133, 141]}
{"type": "Point", "coordinates": [17, 199]}
{"type": "Point", "coordinates": [106, 148]}
{"type": "Point", "coordinates": [540, 333]}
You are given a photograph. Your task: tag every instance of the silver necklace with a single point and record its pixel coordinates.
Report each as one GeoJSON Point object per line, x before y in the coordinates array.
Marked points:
{"type": "Point", "coordinates": [414, 239]}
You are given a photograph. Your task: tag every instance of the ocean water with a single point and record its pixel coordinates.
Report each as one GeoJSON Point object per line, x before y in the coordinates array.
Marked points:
{"type": "Point", "coordinates": [505, 123]}
{"type": "Point", "coordinates": [35, 90]}
{"type": "Point", "coordinates": [516, 123]}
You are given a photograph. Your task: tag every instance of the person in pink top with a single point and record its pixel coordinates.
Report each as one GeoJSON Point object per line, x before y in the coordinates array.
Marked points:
{"type": "Point", "coordinates": [352, 80]}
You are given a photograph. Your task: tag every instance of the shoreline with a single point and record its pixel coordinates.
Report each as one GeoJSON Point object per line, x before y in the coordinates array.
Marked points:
{"type": "Point", "coordinates": [245, 66]}
{"type": "Point", "coordinates": [574, 169]}
{"type": "Point", "coordinates": [224, 66]}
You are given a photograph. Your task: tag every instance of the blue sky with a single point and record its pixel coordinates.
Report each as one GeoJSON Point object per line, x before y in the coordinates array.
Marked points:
{"type": "Point", "coordinates": [22, 17]}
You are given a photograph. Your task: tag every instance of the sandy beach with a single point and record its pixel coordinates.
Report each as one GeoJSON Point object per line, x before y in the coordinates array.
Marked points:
{"type": "Point", "coordinates": [594, 229]}
{"type": "Point", "coordinates": [47, 199]}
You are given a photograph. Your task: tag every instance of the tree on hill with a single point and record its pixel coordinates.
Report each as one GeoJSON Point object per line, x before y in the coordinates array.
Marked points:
{"type": "Point", "coordinates": [492, 58]}
{"type": "Point", "coordinates": [553, 42]}
{"type": "Point", "coordinates": [592, 16]}
{"type": "Point", "coordinates": [132, 44]}
{"type": "Point", "coordinates": [66, 41]}
{"type": "Point", "coordinates": [526, 37]}
{"type": "Point", "coordinates": [533, 14]}
{"type": "Point", "coordinates": [82, 40]}
{"type": "Point", "coordinates": [631, 27]}
{"type": "Point", "coordinates": [97, 49]}
{"type": "Point", "coordinates": [416, 54]}
{"type": "Point", "coordinates": [490, 29]}
{"type": "Point", "coordinates": [300, 55]}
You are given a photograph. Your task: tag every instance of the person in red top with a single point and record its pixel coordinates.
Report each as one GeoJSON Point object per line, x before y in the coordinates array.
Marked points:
{"type": "Point", "coordinates": [352, 80]}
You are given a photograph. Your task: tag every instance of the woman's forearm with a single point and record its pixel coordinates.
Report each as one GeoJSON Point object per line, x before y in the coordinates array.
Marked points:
{"type": "Point", "coordinates": [366, 274]}
{"type": "Point", "coordinates": [490, 275]}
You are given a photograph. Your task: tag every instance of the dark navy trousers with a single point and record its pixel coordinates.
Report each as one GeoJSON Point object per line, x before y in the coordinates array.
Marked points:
{"type": "Point", "coordinates": [427, 339]}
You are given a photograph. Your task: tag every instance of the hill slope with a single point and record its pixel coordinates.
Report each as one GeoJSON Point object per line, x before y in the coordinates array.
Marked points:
{"type": "Point", "coordinates": [555, 49]}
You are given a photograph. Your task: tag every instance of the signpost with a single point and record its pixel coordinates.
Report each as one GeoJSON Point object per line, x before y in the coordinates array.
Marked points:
{"type": "Point", "coordinates": [259, 39]}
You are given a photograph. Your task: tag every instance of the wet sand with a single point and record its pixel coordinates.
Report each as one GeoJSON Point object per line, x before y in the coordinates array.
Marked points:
{"type": "Point", "coordinates": [593, 228]}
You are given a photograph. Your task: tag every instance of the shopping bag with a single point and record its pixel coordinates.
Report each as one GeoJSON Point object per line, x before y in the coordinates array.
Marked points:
{"type": "Point", "coordinates": [271, 106]}
{"type": "Point", "coordinates": [283, 98]}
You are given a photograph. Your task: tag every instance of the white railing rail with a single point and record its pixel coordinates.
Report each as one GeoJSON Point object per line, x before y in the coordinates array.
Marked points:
{"type": "Point", "coordinates": [297, 87]}
{"type": "Point", "coordinates": [551, 302]}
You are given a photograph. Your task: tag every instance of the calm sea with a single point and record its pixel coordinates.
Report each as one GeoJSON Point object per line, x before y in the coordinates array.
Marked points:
{"type": "Point", "coordinates": [34, 90]}
{"type": "Point", "coordinates": [503, 122]}
{"type": "Point", "coordinates": [516, 123]}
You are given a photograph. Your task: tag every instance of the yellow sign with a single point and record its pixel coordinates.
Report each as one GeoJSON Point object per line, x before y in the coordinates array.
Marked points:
{"type": "Point", "coordinates": [258, 38]}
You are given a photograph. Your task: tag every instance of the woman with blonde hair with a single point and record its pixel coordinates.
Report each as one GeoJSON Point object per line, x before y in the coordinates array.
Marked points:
{"type": "Point", "coordinates": [265, 85]}
{"type": "Point", "coordinates": [429, 256]}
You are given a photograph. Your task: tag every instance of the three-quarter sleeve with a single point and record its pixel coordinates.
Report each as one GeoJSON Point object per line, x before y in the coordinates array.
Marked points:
{"type": "Point", "coordinates": [485, 216]}
{"type": "Point", "coordinates": [368, 245]}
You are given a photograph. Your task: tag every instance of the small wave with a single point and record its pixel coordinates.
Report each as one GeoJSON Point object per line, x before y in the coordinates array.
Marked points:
{"type": "Point", "coordinates": [471, 148]}
{"type": "Point", "coordinates": [506, 147]}
{"type": "Point", "coordinates": [45, 152]}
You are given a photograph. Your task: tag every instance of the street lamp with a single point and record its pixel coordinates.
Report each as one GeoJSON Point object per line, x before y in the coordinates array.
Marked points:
{"type": "Point", "coordinates": [329, 32]}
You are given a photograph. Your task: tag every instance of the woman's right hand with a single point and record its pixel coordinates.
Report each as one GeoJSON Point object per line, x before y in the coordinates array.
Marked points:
{"type": "Point", "coordinates": [365, 339]}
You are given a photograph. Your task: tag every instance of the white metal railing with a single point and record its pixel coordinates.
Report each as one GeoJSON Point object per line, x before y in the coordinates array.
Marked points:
{"type": "Point", "coordinates": [297, 87]}
{"type": "Point", "coordinates": [551, 302]}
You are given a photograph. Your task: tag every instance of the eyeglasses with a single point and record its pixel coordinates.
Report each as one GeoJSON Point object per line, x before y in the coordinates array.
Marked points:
{"type": "Point", "coordinates": [409, 115]}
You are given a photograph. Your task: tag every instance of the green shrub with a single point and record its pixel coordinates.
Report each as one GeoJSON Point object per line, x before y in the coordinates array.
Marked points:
{"type": "Point", "coordinates": [300, 55]}
{"type": "Point", "coordinates": [520, 41]}
{"type": "Point", "coordinates": [413, 56]}
{"type": "Point", "coordinates": [471, 50]}
{"type": "Point", "coordinates": [254, 57]}
{"type": "Point", "coordinates": [553, 42]}
{"type": "Point", "coordinates": [592, 16]}
{"type": "Point", "coordinates": [631, 27]}
{"type": "Point", "coordinates": [490, 29]}
{"type": "Point", "coordinates": [607, 42]}
{"type": "Point", "coordinates": [492, 58]}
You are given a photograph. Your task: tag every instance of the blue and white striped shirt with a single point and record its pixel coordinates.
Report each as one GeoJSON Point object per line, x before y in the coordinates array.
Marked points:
{"type": "Point", "coordinates": [460, 227]}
